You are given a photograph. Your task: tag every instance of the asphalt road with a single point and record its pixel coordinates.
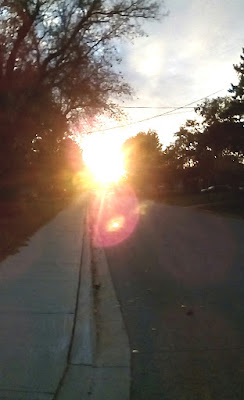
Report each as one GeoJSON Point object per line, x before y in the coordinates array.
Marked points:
{"type": "Point", "coordinates": [179, 278]}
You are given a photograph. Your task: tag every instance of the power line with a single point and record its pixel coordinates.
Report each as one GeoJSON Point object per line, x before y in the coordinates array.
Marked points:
{"type": "Point", "coordinates": [181, 112]}
{"type": "Point", "coordinates": [155, 107]}
{"type": "Point", "coordinates": [156, 116]}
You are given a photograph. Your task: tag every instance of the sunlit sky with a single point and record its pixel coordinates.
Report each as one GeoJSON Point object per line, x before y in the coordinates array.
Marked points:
{"type": "Point", "coordinates": [187, 56]}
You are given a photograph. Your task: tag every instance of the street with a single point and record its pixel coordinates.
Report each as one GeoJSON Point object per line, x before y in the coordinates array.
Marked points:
{"type": "Point", "coordinates": [179, 280]}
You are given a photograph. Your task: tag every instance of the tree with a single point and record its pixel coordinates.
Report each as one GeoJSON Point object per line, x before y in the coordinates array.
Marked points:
{"type": "Point", "coordinates": [236, 108]}
{"type": "Point", "coordinates": [222, 131]}
{"type": "Point", "coordinates": [183, 152]}
{"type": "Point", "coordinates": [214, 110]}
{"type": "Point", "coordinates": [56, 65]}
{"type": "Point", "coordinates": [204, 151]}
{"type": "Point", "coordinates": [212, 149]}
{"type": "Point", "coordinates": [143, 158]}
{"type": "Point", "coordinates": [223, 119]}
{"type": "Point", "coordinates": [181, 159]}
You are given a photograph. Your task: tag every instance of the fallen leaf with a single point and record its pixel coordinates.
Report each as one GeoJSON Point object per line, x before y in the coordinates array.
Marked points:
{"type": "Point", "coordinates": [97, 286]}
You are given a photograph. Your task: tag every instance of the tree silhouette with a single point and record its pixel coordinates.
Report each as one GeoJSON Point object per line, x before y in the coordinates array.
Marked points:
{"type": "Point", "coordinates": [56, 65]}
{"type": "Point", "coordinates": [143, 158]}
{"type": "Point", "coordinates": [236, 108]}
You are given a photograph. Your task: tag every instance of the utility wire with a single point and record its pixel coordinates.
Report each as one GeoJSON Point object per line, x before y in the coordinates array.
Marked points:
{"type": "Point", "coordinates": [180, 112]}
{"type": "Point", "coordinates": [156, 116]}
{"type": "Point", "coordinates": [154, 107]}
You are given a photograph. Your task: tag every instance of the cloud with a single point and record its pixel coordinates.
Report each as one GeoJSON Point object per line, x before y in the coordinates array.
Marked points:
{"type": "Point", "coordinates": [188, 55]}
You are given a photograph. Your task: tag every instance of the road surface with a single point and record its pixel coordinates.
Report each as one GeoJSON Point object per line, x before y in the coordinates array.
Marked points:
{"type": "Point", "coordinates": [179, 278]}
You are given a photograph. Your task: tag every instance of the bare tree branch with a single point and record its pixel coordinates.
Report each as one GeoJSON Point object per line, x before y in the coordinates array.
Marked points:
{"type": "Point", "coordinates": [77, 28]}
{"type": "Point", "coordinates": [28, 19]}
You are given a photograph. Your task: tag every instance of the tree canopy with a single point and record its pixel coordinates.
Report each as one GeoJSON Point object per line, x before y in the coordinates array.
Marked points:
{"type": "Point", "coordinates": [143, 156]}
{"type": "Point", "coordinates": [56, 61]}
{"type": "Point", "coordinates": [236, 108]}
{"type": "Point", "coordinates": [214, 145]}
{"type": "Point", "coordinates": [142, 150]}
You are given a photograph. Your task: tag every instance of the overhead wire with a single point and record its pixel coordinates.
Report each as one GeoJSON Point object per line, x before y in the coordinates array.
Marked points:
{"type": "Point", "coordinates": [155, 116]}
{"type": "Point", "coordinates": [153, 107]}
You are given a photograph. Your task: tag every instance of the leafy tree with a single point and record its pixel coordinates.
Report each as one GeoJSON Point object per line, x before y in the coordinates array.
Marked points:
{"type": "Point", "coordinates": [214, 147]}
{"type": "Point", "coordinates": [142, 150]}
{"type": "Point", "coordinates": [181, 159]}
{"type": "Point", "coordinates": [143, 157]}
{"type": "Point", "coordinates": [183, 152]}
{"type": "Point", "coordinates": [56, 66]}
{"type": "Point", "coordinates": [222, 132]}
{"type": "Point", "coordinates": [223, 119]}
{"type": "Point", "coordinates": [214, 110]}
{"type": "Point", "coordinates": [236, 109]}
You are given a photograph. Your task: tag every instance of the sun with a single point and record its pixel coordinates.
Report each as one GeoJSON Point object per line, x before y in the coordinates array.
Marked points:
{"type": "Point", "coordinates": [104, 158]}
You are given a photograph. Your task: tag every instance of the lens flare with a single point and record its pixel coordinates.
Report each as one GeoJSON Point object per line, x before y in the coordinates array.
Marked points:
{"type": "Point", "coordinates": [113, 216]}
{"type": "Point", "coordinates": [115, 224]}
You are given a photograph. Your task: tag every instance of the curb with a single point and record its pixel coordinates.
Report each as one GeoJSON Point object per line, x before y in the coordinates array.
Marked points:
{"type": "Point", "coordinates": [112, 340]}
{"type": "Point", "coordinates": [84, 339]}
{"type": "Point", "coordinates": [99, 360]}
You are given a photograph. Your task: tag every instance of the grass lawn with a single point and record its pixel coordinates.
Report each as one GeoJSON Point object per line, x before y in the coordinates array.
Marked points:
{"type": "Point", "coordinates": [20, 218]}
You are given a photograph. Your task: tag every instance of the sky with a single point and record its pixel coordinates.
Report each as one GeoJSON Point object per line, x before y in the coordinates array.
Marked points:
{"type": "Point", "coordinates": [188, 55]}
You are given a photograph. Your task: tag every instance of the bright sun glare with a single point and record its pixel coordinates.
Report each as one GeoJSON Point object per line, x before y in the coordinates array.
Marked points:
{"type": "Point", "coordinates": [104, 158]}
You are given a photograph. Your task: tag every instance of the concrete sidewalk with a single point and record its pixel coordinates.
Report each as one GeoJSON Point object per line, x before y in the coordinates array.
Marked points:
{"type": "Point", "coordinates": [38, 300]}
{"type": "Point", "coordinates": [53, 346]}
